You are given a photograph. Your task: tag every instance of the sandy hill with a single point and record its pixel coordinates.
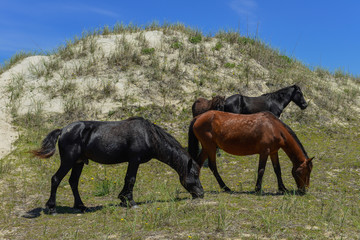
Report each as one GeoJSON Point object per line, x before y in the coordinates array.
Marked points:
{"type": "Point", "coordinates": [158, 72]}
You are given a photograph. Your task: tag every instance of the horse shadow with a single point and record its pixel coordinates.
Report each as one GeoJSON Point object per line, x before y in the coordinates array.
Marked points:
{"type": "Point", "coordinates": [262, 193]}
{"type": "Point", "coordinates": [36, 212]}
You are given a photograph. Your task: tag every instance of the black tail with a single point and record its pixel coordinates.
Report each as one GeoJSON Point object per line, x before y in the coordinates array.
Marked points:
{"type": "Point", "coordinates": [48, 145]}
{"type": "Point", "coordinates": [193, 142]}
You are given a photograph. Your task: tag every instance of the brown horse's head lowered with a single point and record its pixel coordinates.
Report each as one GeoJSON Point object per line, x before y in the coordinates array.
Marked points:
{"type": "Point", "coordinates": [301, 175]}
{"type": "Point", "coordinates": [238, 134]}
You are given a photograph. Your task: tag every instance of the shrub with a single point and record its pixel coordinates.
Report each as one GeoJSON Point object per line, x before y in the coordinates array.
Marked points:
{"type": "Point", "coordinates": [177, 45]}
{"type": "Point", "coordinates": [195, 39]}
{"type": "Point", "coordinates": [229, 65]}
{"type": "Point", "coordinates": [148, 51]}
{"type": "Point", "coordinates": [217, 47]}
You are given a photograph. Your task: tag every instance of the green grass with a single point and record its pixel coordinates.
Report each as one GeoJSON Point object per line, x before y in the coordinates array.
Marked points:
{"type": "Point", "coordinates": [166, 211]}
{"type": "Point", "coordinates": [329, 209]}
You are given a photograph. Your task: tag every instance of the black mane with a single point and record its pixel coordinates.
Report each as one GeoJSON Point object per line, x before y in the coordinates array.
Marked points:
{"type": "Point", "coordinates": [279, 92]}
{"type": "Point", "coordinates": [296, 138]}
{"type": "Point", "coordinates": [169, 147]}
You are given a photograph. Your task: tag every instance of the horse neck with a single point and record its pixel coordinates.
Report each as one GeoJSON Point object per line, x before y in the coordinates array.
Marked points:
{"type": "Point", "coordinates": [284, 101]}
{"type": "Point", "coordinates": [173, 156]}
{"type": "Point", "coordinates": [294, 150]}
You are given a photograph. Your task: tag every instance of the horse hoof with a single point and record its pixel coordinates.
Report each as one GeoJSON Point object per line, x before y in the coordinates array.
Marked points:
{"type": "Point", "coordinates": [50, 211]}
{"type": "Point", "coordinates": [81, 209]}
{"type": "Point", "coordinates": [227, 190]}
{"type": "Point", "coordinates": [283, 191]}
{"type": "Point", "coordinates": [128, 204]}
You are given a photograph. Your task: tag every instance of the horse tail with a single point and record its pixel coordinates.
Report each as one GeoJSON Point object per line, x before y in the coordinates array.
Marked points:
{"type": "Point", "coordinates": [193, 142]}
{"type": "Point", "coordinates": [48, 145]}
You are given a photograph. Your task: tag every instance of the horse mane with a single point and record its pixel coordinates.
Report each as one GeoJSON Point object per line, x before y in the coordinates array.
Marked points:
{"type": "Point", "coordinates": [165, 139]}
{"type": "Point", "coordinates": [217, 102]}
{"type": "Point", "coordinates": [292, 133]}
{"type": "Point", "coordinates": [279, 92]}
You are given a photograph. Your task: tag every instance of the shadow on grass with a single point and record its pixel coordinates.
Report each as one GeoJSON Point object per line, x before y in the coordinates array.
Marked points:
{"type": "Point", "coordinates": [36, 212]}
{"type": "Point", "coordinates": [262, 193]}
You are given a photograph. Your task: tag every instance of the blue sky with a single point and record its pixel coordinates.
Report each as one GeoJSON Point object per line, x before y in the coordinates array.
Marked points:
{"type": "Point", "coordinates": [318, 33]}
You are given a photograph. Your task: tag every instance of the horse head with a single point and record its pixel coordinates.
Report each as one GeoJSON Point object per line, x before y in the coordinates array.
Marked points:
{"type": "Point", "coordinates": [298, 97]}
{"type": "Point", "coordinates": [302, 175]}
{"type": "Point", "coordinates": [191, 181]}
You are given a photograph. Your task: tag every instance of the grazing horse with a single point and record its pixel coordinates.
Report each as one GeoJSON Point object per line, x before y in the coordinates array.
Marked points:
{"type": "Point", "coordinates": [134, 140]}
{"type": "Point", "coordinates": [240, 134]}
{"type": "Point", "coordinates": [202, 105]}
{"type": "Point", "coordinates": [274, 102]}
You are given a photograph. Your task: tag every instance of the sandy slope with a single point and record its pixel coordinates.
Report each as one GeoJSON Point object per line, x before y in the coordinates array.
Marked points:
{"type": "Point", "coordinates": [8, 134]}
{"type": "Point", "coordinates": [135, 82]}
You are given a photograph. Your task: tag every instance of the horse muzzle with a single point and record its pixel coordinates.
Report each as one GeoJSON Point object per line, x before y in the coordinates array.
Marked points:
{"type": "Point", "coordinates": [303, 106]}
{"type": "Point", "coordinates": [198, 194]}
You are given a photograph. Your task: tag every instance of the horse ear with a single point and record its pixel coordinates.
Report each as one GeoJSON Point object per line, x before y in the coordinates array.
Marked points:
{"type": "Point", "coordinates": [310, 159]}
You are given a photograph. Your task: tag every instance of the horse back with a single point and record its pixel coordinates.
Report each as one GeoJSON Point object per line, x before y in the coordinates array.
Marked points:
{"type": "Point", "coordinates": [255, 104]}
{"type": "Point", "coordinates": [233, 104]}
{"type": "Point", "coordinates": [107, 142]}
{"type": "Point", "coordinates": [240, 134]}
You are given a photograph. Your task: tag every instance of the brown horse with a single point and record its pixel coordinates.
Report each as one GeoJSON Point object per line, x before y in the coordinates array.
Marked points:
{"type": "Point", "coordinates": [202, 105]}
{"type": "Point", "coordinates": [239, 134]}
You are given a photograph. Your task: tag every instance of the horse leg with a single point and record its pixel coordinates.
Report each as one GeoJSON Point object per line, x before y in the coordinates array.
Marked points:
{"type": "Point", "coordinates": [68, 155]}
{"type": "Point", "coordinates": [74, 183]}
{"type": "Point", "coordinates": [126, 194]}
{"type": "Point", "coordinates": [262, 164]}
{"type": "Point", "coordinates": [213, 168]}
{"type": "Point", "coordinates": [276, 164]}
{"type": "Point", "coordinates": [55, 181]}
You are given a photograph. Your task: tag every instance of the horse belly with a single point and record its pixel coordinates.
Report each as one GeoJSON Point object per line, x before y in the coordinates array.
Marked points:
{"type": "Point", "coordinates": [239, 149]}
{"type": "Point", "coordinates": [108, 150]}
{"type": "Point", "coordinates": [117, 150]}
{"type": "Point", "coordinates": [106, 156]}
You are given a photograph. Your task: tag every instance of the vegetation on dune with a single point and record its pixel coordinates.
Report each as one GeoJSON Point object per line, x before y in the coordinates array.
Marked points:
{"type": "Point", "coordinates": [157, 71]}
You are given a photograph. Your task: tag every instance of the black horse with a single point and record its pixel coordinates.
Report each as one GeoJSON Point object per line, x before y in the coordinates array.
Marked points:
{"type": "Point", "coordinates": [134, 140]}
{"type": "Point", "coordinates": [274, 102]}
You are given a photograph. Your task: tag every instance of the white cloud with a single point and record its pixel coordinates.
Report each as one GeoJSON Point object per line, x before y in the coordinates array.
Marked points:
{"type": "Point", "coordinates": [244, 8]}
{"type": "Point", "coordinates": [82, 9]}
{"type": "Point", "coordinates": [248, 19]}
{"type": "Point", "coordinates": [91, 9]}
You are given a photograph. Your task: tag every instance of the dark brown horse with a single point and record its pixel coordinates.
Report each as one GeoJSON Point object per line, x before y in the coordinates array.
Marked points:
{"type": "Point", "coordinates": [239, 134]}
{"type": "Point", "coordinates": [202, 105]}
